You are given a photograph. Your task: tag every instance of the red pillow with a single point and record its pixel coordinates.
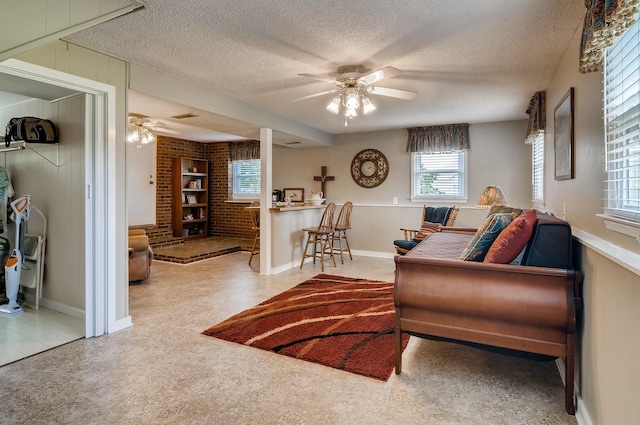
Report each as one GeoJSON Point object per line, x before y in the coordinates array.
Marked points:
{"type": "Point", "coordinates": [512, 239]}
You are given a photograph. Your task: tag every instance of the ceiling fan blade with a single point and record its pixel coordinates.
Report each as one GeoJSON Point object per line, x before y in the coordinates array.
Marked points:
{"type": "Point", "coordinates": [323, 79]}
{"type": "Point", "coordinates": [314, 95]}
{"type": "Point", "coordinates": [400, 94]}
{"type": "Point", "coordinates": [164, 130]}
{"type": "Point", "coordinates": [378, 75]}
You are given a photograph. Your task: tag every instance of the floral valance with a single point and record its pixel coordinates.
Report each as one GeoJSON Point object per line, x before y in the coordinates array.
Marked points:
{"type": "Point", "coordinates": [244, 150]}
{"type": "Point", "coordinates": [537, 112]}
{"type": "Point", "coordinates": [438, 138]}
{"type": "Point", "coordinates": [603, 22]}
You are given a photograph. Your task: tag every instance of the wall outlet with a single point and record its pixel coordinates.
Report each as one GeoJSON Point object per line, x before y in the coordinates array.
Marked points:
{"type": "Point", "coordinates": [394, 200]}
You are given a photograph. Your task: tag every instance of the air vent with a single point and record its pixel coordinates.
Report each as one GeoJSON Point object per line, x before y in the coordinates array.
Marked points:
{"type": "Point", "coordinates": [293, 143]}
{"type": "Point", "coordinates": [183, 116]}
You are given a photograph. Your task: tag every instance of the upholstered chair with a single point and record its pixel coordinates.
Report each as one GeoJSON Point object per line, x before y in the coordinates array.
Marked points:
{"type": "Point", "coordinates": [140, 255]}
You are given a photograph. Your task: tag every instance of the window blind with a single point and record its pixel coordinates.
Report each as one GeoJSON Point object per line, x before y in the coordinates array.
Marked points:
{"type": "Point", "coordinates": [537, 168]}
{"type": "Point", "coordinates": [246, 178]}
{"type": "Point", "coordinates": [438, 175]}
{"type": "Point", "coordinates": [622, 121]}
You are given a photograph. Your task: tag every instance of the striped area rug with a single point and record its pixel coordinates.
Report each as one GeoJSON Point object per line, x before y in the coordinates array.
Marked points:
{"type": "Point", "coordinates": [341, 322]}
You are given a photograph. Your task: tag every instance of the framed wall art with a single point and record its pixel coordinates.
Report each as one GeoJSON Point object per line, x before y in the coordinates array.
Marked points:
{"type": "Point", "coordinates": [563, 138]}
{"type": "Point", "coordinates": [294, 194]}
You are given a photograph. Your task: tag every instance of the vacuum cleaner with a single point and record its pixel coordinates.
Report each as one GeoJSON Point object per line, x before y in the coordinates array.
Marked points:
{"type": "Point", "coordinates": [13, 266]}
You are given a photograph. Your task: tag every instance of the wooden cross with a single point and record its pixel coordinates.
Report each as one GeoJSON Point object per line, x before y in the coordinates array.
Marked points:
{"type": "Point", "coordinates": [324, 179]}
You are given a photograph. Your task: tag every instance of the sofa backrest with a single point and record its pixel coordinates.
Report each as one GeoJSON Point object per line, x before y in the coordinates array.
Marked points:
{"type": "Point", "coordinates": [550, 244]}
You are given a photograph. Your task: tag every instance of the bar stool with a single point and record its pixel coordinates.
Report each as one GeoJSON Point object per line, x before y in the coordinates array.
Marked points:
{"type": "Point", "coordinates": [321, 238]}
{"type": "Point", "coordinates": [343, 223]}
{"type": "Point", "coordinates": [254, 212]}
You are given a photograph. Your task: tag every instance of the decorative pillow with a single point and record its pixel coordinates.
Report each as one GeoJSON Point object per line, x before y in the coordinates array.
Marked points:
{"type": "Point", "coordinates": [510, 242]}
{"type": "Point", "coordinates": [485, 235]}
{"type": "Point", "coordinates": [496, 208]}
{"type": "Point", "coordinates": [427, 229]}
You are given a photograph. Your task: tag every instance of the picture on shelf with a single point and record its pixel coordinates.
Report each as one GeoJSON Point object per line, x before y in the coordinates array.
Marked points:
{"type": "Point", "coordinates": [192, 184]}
{"type": "Point", "coordinates": [191, 199]}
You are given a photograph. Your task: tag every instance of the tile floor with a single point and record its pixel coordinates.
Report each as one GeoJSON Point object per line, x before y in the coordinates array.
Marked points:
{"type": "Point", "coordinates": [35, 331]}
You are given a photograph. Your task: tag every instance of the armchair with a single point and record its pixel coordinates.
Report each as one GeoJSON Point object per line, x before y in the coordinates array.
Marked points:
{"type": "Point", "coordinates": [433, 219]}
{"type": "Point", "coordinates": [140, 255]}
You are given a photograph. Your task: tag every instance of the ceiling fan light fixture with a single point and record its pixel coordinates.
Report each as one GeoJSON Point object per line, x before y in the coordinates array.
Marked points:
{"type": "Point", "coordinates": [334, 106]}
{"type": "Point", "coordinates": [350, 113]}
{"type": "Point", "coordinates": [367, 106]}
{"type": "Point", "coordinates": [140, 135]}
{"type": "Point", "coordinates": [351, 100]}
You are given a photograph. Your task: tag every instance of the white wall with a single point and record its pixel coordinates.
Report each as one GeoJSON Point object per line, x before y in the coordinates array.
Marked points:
{"type": "Point", "coordinates": [89, 64]}
{"type": "Point", "coordinates": [497, 156]}
{"type": "Point", "coordinates": [608, 370]}
{"type": "Point", "coordinates": [58, 192]}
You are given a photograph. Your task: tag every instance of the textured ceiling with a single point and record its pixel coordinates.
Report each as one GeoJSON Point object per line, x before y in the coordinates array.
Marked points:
{"type": "Point", "coordinates": [468, 60]}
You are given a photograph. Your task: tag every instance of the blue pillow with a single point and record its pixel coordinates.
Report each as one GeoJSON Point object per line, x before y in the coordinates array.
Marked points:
{"type": "Point", "coordinates": [478, 247]}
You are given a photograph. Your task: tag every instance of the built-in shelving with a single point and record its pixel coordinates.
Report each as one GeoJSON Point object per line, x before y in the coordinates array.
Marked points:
{"type": "Point", "coordinates": [190, 198]}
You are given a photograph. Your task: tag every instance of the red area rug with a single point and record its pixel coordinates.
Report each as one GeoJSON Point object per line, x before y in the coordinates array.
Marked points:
{"type": "Point", "coordinates": [341, 322]}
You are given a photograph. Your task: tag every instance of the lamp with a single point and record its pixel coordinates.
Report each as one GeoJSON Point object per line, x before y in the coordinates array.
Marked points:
{"type": "Point", "coordinates": [352, 98]}
{"type": "Point", "coordinates": [140, 134]}
{"type": "Point", "coordinates": [491, 195]}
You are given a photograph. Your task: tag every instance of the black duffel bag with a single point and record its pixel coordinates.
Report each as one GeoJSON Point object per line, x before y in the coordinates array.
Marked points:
{"type": "Point", "coordinates": [30, 129]}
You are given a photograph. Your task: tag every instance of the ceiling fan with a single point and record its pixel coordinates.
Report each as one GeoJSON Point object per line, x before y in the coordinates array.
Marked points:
{"type": "Point", "coordinates": [353, 88]}
{"type": "Point", "coordinates": [140, 129]}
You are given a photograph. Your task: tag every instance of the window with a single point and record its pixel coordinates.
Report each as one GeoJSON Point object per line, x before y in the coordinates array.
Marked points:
{"type": "Point", "coordinates": [246, 178]}
{"type": "Point", "coordinates": [438, 176]}
{"type": "Point", "coordinates": [537, 169]}
{"type": "Point", "coordinates": [622, 127]}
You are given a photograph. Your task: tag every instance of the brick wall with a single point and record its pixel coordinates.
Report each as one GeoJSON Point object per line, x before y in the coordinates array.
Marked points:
{"type": "Point", "coordinates": [167, 149]}
{"type": "Point", "coordinates": [225, 219]}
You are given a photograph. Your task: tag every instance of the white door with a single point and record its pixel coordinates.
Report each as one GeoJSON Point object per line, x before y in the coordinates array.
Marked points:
{"type": "Point", "coordinates": [141, 184]}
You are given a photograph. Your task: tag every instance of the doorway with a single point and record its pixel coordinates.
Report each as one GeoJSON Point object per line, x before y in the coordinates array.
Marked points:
{"type": "Point", "coordinates": [99, 266]}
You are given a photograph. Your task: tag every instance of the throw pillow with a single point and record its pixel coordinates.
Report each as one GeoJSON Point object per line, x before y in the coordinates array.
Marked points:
{"type": "Point", "coordinates": [426, 229]}
{"type": "Point", "coordinates": [496, 208]}
{"type": "Point", "coordinates": [485, 235]}
{"type": "Point", "coordinates": [510, 242]}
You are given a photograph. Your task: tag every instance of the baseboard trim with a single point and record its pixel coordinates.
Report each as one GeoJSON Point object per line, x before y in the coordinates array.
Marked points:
{"type": "Point", "coordinates": [62, 308]}
{"type": "Point", "coordinates": [118, 325]}
{"type": "Point", "coordinates": [582, 415]}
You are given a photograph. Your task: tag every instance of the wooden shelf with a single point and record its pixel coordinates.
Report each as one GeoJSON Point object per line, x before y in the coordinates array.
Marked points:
{"type": "Point", "coordinates": [184, 180]}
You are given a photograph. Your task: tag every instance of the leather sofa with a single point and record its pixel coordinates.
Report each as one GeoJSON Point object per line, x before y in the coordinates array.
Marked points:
{"type": "Point", "coordinates": [140, 255]}
{"type": "Point", "coordinates": [521, 309]}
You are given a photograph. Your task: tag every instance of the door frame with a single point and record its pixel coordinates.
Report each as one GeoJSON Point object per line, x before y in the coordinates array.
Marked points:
{"type": "Point", "coordinates": [100, 178]}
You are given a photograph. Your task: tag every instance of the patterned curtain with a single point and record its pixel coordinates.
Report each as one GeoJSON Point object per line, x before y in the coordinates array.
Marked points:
{"type": "Point", "coordinates": [438, 139]}
{"type": "Point", "coordinates": [244, 150]}
{"type": "Point", "coordinates": [603, 22]}
{"type": "Point", "coordinates": [537, 112]}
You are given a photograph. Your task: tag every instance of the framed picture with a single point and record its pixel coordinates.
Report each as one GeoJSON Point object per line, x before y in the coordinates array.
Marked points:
{"type": "Point", "coordinates": [563, 137]}
{"type": "Point", "coordinates": [191, 199]}
{"type": "Point", "coordinates": [294, 194]}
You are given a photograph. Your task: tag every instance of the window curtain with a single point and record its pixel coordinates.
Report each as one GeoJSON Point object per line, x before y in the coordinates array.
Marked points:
{"type": "Point", "coordinates": [438, 139]}
{"type": "Point", "coordinates": [244, 150]}
{"type": "Point", "coordinates": [603, 22]}
{"type": "Point", "coordinates": [537, 112]}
